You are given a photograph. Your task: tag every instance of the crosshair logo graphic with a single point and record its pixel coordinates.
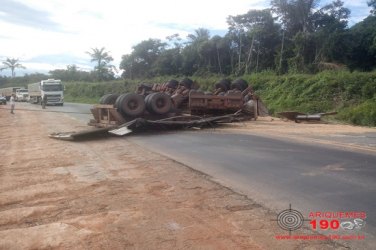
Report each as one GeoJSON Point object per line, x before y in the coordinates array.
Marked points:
{"type": "Point", "coordinates": [290, 219]}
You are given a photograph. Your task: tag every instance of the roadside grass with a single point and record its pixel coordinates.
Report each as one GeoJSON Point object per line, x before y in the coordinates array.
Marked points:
{"type": "Point", "coordinates": [351, 94]}
{"type": "Point", "coordinates": [363, 114]}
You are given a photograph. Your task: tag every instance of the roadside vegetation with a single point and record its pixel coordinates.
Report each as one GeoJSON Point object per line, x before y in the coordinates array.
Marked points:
{"type": "Point", "coordinates": [352, 95]}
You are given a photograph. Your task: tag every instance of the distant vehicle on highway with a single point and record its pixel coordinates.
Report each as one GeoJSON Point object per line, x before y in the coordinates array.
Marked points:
{"type": "Point", "coordinates": [51, 89]}
{"type": "Point", "coordinates": [3, 100]}
{"type": "Point", "coordinates": [7, 92]}
{"type": "Point", "coordinates": [22, 95]}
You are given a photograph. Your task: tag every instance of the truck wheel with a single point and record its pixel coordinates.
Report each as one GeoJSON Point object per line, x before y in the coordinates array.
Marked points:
{"type": "Point", "coordinates": [239, 84]}
{"type": "Point", "coordinates": [147, 99]}
{"type": "Point", "coordinates": [131, 104]}
{"type": "Point", "coordinates": [224, 84]}
{"type": "Point", "coordinates": [109, 99]}
{"type": "Point", "coordinates": [159, 103]}
{"type": "Point", "coordinates": [187, 83]}
{"type": "Point", "coordinates": [117, 102]}
{"type": "Point", "coordinates": [101, 100]}
{"type": "Point", "coordinates": [172, 84]}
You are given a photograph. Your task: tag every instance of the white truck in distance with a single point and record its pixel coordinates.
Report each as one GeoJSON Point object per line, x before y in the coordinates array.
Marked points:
{"type": "Point", "coordinates": [22, 95]}
{"type": "Point", "coordinates": [51, 89]}
{"type": "Point", "coordinates": [7, 92]}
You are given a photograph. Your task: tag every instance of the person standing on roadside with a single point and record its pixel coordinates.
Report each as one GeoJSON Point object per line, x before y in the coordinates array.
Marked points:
{"type": "Point", "coordinates": [12, 104]}
{"type": "Point", "coordinates": [44, 101]}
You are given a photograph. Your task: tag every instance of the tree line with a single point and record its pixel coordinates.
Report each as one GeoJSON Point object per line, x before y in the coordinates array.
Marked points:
{"type": "Point", "coordinates": [294, 36]}
{"type": "Point", "coordinates": [103, 70]}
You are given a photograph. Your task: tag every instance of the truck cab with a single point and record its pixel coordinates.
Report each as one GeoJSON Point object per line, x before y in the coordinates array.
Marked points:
{"type": "Point", "coordinates": [22, 95]}
{"type": "Point", "coordinates": [51, 90]}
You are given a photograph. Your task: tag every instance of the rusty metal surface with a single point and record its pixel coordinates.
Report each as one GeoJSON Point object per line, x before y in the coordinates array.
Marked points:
{"type": "Point", "coordinates": [184, 99]}
{"type": "Point", "coordinates": [199, 101]}
{"type": "Point", "coordinates": [141, 124]}
{"type": "Point", "coordinates": [178, 122]}
{"type": "Point", "coordinates": [106, 116]}
{"type": "Point", "coordinates": [80, 135]}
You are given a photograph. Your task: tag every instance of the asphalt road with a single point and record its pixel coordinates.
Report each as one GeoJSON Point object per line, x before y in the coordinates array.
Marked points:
{"type": "Point", "coordinates": [77, 110]}
{"type": "Point", "coordinates": [272, 172]}
{"type": "Point", "coordinates": [277, 173]}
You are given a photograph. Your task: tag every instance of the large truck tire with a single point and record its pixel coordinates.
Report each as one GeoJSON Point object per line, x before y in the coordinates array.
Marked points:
{"type": "Point", "coordinates": [172, 84]}
{"type": "Point", "coordinates": [224, 84]}
{"type": "Point", "coordinates": [130, 104]}
{"type": "Point", "coordinates": [147, 98]}
{"type": "Point", "coordinates": [102, 98]}
{"type": "Point", "coordinates": [117, 102]}
{"type": "Point", "coordinates": [158, 103]}
{"type": "Point", "coordinates": [108, 99]}
{"type": "Point", "coordinates": [187, 83]}
{"type": "Point", "coordinates": [239, 84]}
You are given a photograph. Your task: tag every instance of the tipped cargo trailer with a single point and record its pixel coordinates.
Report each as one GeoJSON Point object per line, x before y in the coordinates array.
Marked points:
{"type": "Point", "coordinates": [169, 106]}
{"type": "Point", "coordinates": [52, 90]}
{"type": "Point", "coordinates": [178, 99]}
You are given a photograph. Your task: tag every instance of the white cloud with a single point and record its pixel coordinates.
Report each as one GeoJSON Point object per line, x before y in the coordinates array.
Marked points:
{"type": "Point", "coordinates": [359, 9]}
{"type": "Point", "coordinates": [60, 27]}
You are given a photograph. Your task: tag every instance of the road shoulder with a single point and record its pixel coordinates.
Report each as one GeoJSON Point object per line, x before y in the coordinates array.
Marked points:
{"type": "Point", "coordinates": [345, 137]}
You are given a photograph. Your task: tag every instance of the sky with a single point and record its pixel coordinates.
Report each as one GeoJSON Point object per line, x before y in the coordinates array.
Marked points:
{"type": "Point", "coordinates": [51, 34]}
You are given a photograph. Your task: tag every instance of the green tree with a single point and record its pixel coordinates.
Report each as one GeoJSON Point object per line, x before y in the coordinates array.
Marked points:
{"type": "Point", "coordinates": [332, 39]}
{"type": "Point", "coordinates": [219, 53]}
{"type": "Point", "coordinates": [195, 52]}
{"type": "Point", "coordinates": [363, 48]}
{"type": "Point", "coordinates": [71, 73]}
{"type": "Point", "coordinates": [103, 69]}
{"type": "Point", "coordinates": [297, 18]}
{"type": "Point", "coordinates": [141, 62]}
{"type": "Point", "coordinates": [12, 64]}
{"type": "Point", "coordinates": [175, 40]}
{"type": "Point", "coordinates": [237, 35]}
{"type": "Point", "coordinates": [256, 37]}
{"type": "Point", "coordinates": [126, 65]}
{"type": "Point", "coordinates": [372, 3]}
{"type": "Point", "coordinates": [312, 32]}
{"type": "Point", "coordinates": [295, 15]}
{"type": "Point", "coordinates": [169, 62]}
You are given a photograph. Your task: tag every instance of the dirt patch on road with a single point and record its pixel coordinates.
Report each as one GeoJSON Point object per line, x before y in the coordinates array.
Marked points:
{"type": "Point", "coordinates": [334, 134]}
{"type": "Point", "coordinates": [112, 194]}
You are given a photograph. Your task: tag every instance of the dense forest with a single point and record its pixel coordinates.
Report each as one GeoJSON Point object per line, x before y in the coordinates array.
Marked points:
{"type": "Point", "coordinates": [289, 37]}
